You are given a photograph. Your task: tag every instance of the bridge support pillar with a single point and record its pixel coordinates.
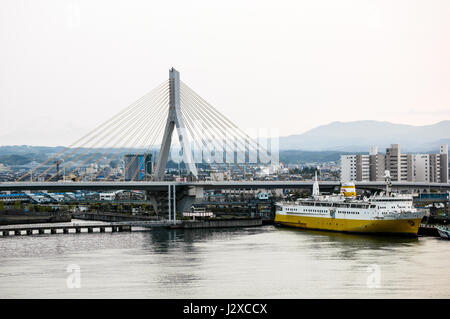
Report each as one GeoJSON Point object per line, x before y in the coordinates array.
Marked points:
{"type": "Point", "coordinates": [181, 200]}
{"type": "Point", "coordinates": [188, 197]}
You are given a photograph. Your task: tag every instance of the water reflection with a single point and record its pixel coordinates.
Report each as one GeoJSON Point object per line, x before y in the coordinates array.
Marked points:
{"type": "Point", "coordinates": [346, 245]}
{"type": "Point", "coordinates": [255, 262]}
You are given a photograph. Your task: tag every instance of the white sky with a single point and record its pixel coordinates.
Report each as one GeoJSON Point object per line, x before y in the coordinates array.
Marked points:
{"type": "Point", "coordinates": [67, 65]}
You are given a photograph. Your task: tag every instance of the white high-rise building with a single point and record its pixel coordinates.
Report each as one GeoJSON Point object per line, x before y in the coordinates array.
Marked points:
{"type": "Point", "coordinates": [443, 154]}
{"type": "Point", "coordinates": [348, 168]}
{"type": "Point", "coordinates": [363, 167]}
{"type": "Point", "coordinates": [422, 167]}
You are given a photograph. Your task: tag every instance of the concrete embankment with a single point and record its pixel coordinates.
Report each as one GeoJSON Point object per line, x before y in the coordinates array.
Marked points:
{"type": "Point", "coordinates": [219, 223]}
{"type": "Point", "coordinates": [61, 228]}
{"type": "Point", "coordinates": [9, 218]}
{"type": "Point", "coordinates": [110, 217]}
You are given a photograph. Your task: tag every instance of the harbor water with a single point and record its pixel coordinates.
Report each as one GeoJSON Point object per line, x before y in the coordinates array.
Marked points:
{"type": "Point", "coordinates": [257, 262]}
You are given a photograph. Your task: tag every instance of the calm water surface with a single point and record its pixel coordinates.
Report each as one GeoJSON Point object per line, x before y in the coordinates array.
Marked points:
{"type": "Point", "coordinates": [263, 262]}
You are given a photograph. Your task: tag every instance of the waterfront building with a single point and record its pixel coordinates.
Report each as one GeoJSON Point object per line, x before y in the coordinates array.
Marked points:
{"type": "Point", "coordinates": [402, 167]}
{"type": "Point", "coordinates": [422, 167]}
{"type": "Point", "coordinates": [348, 167]}
{"type": "Point", "coordinates": [443, 154]}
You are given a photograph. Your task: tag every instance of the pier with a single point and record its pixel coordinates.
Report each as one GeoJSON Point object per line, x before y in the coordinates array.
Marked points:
{"type": "Point", "coordinates": [219, 223]}
{"type": "Point", "coordinates": [63, 229]}
{"type": "Point", "coordinates": [428, 230]}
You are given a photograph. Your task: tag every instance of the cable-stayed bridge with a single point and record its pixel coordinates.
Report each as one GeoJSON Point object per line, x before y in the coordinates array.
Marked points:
{"type": "Point", "coordinates": [205, 138]}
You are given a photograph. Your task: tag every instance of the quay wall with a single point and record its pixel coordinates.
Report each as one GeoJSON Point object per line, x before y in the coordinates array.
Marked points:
{"type": "Point", "coordinates": [110, 217]}
{"type": "Point", "coordinates": [220, 223]}
{"type": "Point", "coordinates": [32, 218]}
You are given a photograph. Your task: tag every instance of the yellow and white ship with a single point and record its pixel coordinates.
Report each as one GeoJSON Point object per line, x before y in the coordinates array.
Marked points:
{"type": "Point", "coordinates": [385, 213]}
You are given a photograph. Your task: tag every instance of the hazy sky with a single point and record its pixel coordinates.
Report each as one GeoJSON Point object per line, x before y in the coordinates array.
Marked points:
{"type": "Point", "coordinates": [67, 65]}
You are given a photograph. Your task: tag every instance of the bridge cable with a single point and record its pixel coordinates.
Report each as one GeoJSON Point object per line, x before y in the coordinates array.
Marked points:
{"type": "Point", "coordinates": [231, 125]}
{"type": "Point", "coordinates": [143, 123]}
{"type": "Point", "coordinates": [211, 117]}
{"type": "Point", "coordinates": [107, 123]}
{"type": "Point", "coordinates": [159, 119]}
{"type": "Point", "coordinates": [205, 118]}
{"type": "Point", "coordinates": [199, 118]}
{"type": "Point", "coordinates": [121, 121]}
{"type": "Point", "coordinates": [191, 127]}
{"type": "Point", "coordinates": [133, 129]}
{"type": "Point", "coordinates": [127, 121]}
{"type": "Point", "coordinates": [139, 117]}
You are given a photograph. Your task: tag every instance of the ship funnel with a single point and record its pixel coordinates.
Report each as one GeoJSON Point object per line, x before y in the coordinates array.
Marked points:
{"type": "Point", "coordinates": [348, 189]}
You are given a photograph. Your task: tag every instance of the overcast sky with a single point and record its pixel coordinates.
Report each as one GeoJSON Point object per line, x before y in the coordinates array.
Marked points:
{"type": "Point", "coordinates": [67, 65]}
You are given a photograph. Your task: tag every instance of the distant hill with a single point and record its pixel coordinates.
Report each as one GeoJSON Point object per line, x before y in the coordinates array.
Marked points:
{"type": "Point", "coordinates": [303, 157]}
{"type": "Point", "coordinates": [358, 136]}
{"type": "Point", "coordinates": [23, 155]}
{"type": "Point", "coordinates": [321, 144]}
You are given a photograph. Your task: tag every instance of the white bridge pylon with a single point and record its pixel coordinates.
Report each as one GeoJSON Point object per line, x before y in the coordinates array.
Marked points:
{"type": "Point", "coordinates": [175, 119]}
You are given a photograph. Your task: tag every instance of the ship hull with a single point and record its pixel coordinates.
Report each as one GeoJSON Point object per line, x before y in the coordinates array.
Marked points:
{"type": "Point", "coordinates": [379, 226]}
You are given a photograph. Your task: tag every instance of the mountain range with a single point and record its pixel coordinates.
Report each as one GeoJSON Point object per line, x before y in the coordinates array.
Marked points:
{"type": "Point", "coordinates": [359, 135]}
{"type": "Point", "coordinates": [323, 143]}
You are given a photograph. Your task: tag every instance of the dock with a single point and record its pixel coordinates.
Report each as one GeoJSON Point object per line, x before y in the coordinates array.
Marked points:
{"type": "Point", "coordinates": [428, 230]}
{"type": "Point", "coordinates": [219, 223]}
{"type": "Point", "coordinates": [18, 230]}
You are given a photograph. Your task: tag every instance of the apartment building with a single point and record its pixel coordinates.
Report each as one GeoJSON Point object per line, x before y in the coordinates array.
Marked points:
{"type": "Point", "coordinates": [443, 153]}
{"type": "Point", "coordinates": [348, 167]}
{"type": "Point", "coordinates": [402, 167]}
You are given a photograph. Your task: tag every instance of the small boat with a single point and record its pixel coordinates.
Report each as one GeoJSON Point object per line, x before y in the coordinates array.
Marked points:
{"type": "Point", "coordinates": [444, 232]}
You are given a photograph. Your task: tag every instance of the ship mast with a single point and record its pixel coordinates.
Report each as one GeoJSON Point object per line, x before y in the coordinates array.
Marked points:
{"type": "Point", "coordinates": [387, 178]}
{"type": "Point", "coordinates": [315, 190]}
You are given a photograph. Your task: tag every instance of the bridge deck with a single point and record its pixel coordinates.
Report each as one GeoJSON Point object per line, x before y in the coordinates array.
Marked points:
{"type": "Point", "coordinates": [163, 186]}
